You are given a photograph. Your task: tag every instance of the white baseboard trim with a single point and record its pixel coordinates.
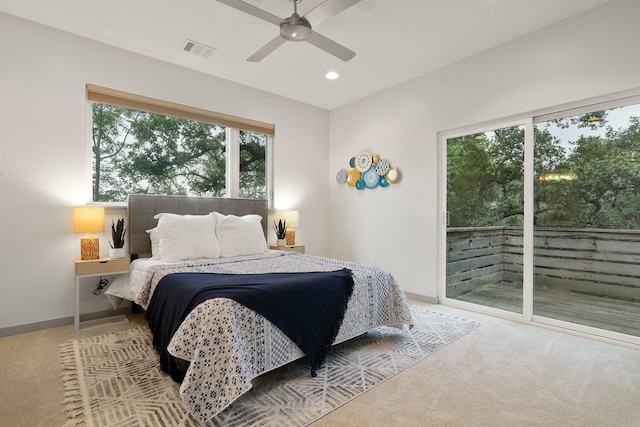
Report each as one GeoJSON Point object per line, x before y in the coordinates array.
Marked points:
{"type": "Point", "coordinates": [422, 298]}
{"type": "Point", "coordinates": [64, 321]}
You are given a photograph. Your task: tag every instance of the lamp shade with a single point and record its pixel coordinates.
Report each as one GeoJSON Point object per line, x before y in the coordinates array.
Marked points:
{"type": "Point", "coordinates": [291, 217]}
{"type": "Point", "coordinates": [88, 219]}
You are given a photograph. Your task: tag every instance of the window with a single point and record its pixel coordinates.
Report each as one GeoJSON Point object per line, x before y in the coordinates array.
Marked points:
{"type": "Point", "coordinates": [146, 146]}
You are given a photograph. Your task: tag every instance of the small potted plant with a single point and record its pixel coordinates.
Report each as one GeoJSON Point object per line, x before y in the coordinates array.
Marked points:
{"type": "Point", "coordinates": [117, 235]}
{"type": "Point", "coordinates": [281, 231]}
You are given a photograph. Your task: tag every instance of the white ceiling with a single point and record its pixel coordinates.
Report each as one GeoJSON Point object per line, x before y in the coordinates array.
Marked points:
{"type": "Point", "coordinates": [394, 40]}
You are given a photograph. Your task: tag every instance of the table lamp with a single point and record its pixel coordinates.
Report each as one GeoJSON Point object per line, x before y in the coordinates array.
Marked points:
{"type": "Point", "coordinates": [89, 220]}
{"type": "Point", "coordinates": [291, 217]}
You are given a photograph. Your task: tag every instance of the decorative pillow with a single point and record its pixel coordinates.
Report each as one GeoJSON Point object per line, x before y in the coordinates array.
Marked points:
{"type": "Point", "coordinates": [240, 235]}
{"type": "Point", "coordinates": [184, 237]}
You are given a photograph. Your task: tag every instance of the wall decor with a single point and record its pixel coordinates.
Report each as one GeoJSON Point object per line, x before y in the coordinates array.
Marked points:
{"type": "Point", "coordinates": [368, 171]}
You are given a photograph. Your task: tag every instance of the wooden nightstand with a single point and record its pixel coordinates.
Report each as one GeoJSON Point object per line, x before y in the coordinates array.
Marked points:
{"type": "Point", "coordinates": [96, 268]}
{"type": "Point", "coordinates": [292, 248]}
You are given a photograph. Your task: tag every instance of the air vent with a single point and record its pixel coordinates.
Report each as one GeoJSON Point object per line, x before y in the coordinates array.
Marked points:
{"type": "Point", "coordinates": [197, 48]}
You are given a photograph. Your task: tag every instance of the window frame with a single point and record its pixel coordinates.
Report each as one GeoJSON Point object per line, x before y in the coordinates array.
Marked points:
{"type": "Point", "coordinates": [232, 124]}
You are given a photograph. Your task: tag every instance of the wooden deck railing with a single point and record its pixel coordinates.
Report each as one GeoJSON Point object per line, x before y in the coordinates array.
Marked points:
{"type": "Point", "coordinates": [593, 261]}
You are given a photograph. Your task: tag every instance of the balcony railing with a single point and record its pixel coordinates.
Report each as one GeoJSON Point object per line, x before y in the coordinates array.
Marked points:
{"type": "Point", "coordinates": [589, 261]}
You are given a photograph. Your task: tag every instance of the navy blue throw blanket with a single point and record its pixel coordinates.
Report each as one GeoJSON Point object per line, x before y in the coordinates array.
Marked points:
{"type": "Point", "coordinates": [307, 307]}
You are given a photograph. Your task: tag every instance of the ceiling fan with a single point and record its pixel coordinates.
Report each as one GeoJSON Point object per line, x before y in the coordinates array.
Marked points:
{"type": "Point", "coordinates": [298, 28]}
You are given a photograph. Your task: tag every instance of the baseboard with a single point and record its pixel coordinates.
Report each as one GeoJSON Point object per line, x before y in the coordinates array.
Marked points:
{"type": "Point", "coordinates": [64, 321]}
{"type": "Point", "coordinates": [54, 323]}
{"type": "Point", "coordinates": [422, 298]}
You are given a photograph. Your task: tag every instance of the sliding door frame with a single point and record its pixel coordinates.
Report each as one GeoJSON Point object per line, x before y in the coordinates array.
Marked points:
{"type": "Point", "coordinates": [528, 121]}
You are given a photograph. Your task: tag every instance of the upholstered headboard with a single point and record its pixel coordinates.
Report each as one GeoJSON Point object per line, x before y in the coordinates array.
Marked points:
{"type": "Point", "coordinates": [141, 209]}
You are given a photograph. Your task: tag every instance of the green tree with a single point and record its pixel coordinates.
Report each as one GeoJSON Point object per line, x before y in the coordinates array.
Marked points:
{"type": "Point", "coordinates": [252, 165]}
{"type": "Point", "coordinates": [111, 133]}
{"type": "Point", "coordinates": [553, 200]}
{"type": "Point", "coordinates": [146, 153]}
{"type": "Point", "coordinates": [485, 173]}
{"type": "Point", "coordinates": [601, 188]}
{"type": "Point", "coordinates": [608, 179]}
{"type": "Point", "coordinates": [468, 184]}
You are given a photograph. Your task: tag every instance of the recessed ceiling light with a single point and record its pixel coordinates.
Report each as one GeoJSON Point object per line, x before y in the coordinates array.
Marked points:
{"type": "Point", "coordinates": [332, 75]}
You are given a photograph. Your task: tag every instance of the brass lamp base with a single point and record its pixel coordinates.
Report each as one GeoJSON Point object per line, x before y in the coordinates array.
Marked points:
{"type": "Point", "coordinates": [89, 247]}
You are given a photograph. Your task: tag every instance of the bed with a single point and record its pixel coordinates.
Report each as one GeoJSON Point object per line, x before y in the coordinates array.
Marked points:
{"type": "Point", "coordinates": [220, 345]}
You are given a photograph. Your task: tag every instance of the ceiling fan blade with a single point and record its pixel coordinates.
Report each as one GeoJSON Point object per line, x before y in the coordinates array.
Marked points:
{"type": "Point", "coordinates": [328, 9]}
{"type": "Point", "coordinates": [266, 49]}
{"type": "Point", "coordinates": [329, 46]}
{"type": "Point", "coordinates": [252, 10]}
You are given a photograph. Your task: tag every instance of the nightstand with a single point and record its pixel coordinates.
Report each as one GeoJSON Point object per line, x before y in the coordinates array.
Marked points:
{"type": "Point", "coordinates": [291, 248]}
{"type": "Point", "coordinates": [97, 268]}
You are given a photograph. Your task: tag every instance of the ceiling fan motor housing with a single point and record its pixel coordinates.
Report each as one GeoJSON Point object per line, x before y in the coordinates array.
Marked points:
{"type": "Point", "coordinates": [295, 28]}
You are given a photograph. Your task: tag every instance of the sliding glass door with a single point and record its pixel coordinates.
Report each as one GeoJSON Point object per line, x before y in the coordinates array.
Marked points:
{"type": "Point", "coordinates": [587, 219]}
{"type": "Point", "coordinates": [485, 216]}
{"type": "Point", "coordinates": [542, 219]}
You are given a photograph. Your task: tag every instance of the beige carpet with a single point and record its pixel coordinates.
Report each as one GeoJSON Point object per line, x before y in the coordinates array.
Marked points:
{"type": "Point", "coordinates": [503, 374]}
{"type": "Point", "coordinates": [114, 379]}
{"type": "Point", "coordinates": [506, 374]}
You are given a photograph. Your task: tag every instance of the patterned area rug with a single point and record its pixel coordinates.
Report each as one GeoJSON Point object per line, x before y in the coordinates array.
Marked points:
{"type": "Point", "coordinates": [115, 380]}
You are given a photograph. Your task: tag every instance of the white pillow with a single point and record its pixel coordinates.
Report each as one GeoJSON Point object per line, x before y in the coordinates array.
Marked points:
{"type": "Point", "coordinates": [154, 235]}
{"type": "Point", "coordinates": [184, 237]}
{"type": "Point", "coordinates": [217, 217]}
{"type": "Point", "coordinates": [240, 235]}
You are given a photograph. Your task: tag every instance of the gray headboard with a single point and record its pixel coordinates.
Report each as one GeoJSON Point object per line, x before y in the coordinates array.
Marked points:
{"type": "Point", "coordinates": [141, 208]}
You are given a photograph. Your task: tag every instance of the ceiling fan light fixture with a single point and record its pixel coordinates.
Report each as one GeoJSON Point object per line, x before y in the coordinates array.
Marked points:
{"type": "Point", "coordinates": [295, 29]}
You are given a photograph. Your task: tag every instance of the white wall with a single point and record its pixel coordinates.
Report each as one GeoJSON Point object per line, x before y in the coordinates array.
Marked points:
{"type": "Point", "coordinates": [44, 155]}
{"type": "Point", "coordinates": [593, 54]}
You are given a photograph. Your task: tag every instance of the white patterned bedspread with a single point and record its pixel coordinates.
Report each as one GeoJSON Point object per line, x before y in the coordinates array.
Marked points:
{"type": "Point", "coordinates": [228, 345]}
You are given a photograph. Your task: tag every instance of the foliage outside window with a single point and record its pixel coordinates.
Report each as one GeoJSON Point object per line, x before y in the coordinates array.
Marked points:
{"type": "Point", "coordinates": [587, 173]}
{"type": "Point", "coordinates": [141, 152]}
{"type": "Point", "coordinates": [484, 178]}
{"type": "Point", "coordinates": [596, 181]}
{"type": "Point", "coordinates": [252, 165]}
